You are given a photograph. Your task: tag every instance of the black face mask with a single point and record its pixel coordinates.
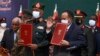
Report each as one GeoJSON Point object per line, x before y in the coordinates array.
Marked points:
{"type": "Point", "coordinates": [78, 21]}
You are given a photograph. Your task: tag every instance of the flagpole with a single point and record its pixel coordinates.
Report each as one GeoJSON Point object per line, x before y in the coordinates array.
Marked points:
{"type": "Point", "coordinates": [55, 12]}
{"type": "Point", "coordinates": [20, 11]}
{"type": "Point", "coordinates": [97, 9]}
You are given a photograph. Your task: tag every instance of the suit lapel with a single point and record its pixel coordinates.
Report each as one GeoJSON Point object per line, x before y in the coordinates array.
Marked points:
{"type": "Point", "coordinates": [70, 30]}
{"type": "Point", "coordinates": [12, 35]}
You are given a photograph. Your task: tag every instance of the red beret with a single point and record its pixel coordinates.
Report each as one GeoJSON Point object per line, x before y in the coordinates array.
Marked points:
{"type": "Point", "coordinates": [38, 5]}
{"type": "Point", "coordinates": [3, 19]}
{"type": "Point", "coordinates": [80, 13]}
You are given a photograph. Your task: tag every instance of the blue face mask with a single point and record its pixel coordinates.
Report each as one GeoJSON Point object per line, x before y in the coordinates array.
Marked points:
{"type": "Point", "coordinates": [64, 21]}
{"type": "Point", "coordinates": [92, 22]}
{"type": "Point", "coordinates": [36, 14]}
{"type": "Point", "coordinates": [3, 25]}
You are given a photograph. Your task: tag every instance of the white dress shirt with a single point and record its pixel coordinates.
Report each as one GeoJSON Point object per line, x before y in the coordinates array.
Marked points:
{"type": "Point", "coordinates": [14, 36]}
{"type": "Point", "coordinates": [2, 30]}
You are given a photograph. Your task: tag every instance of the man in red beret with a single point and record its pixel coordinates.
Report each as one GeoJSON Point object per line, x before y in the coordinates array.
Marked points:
{"type": "Point", "coordinates": [40, 42]}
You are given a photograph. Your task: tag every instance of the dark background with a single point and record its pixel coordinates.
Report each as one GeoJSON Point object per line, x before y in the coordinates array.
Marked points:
{"type": "Point", "coordinates": [15, 6]}
{"type": "Point", "coordinates": [89, 6]}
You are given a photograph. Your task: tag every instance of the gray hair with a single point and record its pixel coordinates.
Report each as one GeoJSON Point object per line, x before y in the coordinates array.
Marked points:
{"type": "Point", "coordinates": [17, 19]}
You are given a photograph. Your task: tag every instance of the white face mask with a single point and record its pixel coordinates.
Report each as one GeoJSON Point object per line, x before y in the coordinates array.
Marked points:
{"type": "Point", "coordinates": [36, 14]}
{"type": "Point", "coordinates": [3, 25]}
{"type": "Point", "coordinates": [64, 21]}
{"type": "Point", "coordinates": [92, 22]}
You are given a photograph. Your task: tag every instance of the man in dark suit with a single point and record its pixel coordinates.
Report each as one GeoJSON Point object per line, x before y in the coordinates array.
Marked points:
{"type": "Point", "coordinates": [73, 40]}
{"type": "Point", "coordinates": [10, 34]}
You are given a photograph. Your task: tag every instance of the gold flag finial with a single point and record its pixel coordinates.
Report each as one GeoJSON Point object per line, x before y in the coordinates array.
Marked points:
{"type": "Point", "coordinates": [97, 7]}
{"type": "Point", "coordinates": [55, 10]}
{"type": "Point", "coordinates": [20, 11]}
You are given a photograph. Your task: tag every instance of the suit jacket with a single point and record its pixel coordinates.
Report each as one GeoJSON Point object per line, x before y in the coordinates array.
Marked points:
{"type": "Point", "coordinates": [93, 40]}
{"type": "Point", "coordinates": [8, 43]}
{"type": "Point", "coordinates": [8, 39]}
{"type": "Point", "coordinates": [91, 44]}
{"type": "Point", "coordinates": [76, 39]}
{"type": "Point", "coordinates": [97, 36]}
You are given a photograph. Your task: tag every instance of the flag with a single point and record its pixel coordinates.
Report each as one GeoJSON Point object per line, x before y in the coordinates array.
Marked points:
{"type": "Point", "coordinates": [98, 15]}
{"type": "Point", "coordinates": [98, 19]}
{"type": "Point", "coordinates": [55, 13]}
{"type": "Point", "coordinates": [20, 11]}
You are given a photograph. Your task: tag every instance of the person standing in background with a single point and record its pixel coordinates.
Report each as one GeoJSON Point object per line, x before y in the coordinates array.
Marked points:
{"type": "Point", "coordinates": [10, 35]}
{"type": "Point", "coordinates": [95, 37]}
{"type": "Point", "coordinates": [80, 17]}
{"type": "Point", "coordinates": [3, 27]}
{"type": "Point", "coordinates": [49, 33]}
{"type": "Point", "coordinates": [38, 12]}
{"type": "Point", "coordinates": [22, 50]}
